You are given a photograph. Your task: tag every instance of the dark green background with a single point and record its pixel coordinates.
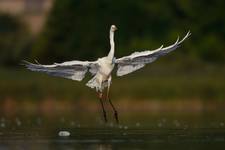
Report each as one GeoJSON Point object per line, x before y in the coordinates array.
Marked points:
{"type": "Point", "coordinates": [78, 30]}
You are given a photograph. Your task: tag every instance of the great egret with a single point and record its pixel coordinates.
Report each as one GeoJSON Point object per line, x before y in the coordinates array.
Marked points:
{"type": "Point", "coordinates": [102, 68]}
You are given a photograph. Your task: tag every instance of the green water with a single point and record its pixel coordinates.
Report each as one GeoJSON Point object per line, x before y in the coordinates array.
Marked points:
{"type": "Point", "coordinates": [86, 138]}
{"type": "Point", "coordinates": [136, 131]}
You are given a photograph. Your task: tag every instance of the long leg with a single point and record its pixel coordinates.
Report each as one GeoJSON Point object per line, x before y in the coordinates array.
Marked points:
{"type": "Point", "coordinates": [103, 109]}
{"type": "Point", "coordinates": [113, 107]}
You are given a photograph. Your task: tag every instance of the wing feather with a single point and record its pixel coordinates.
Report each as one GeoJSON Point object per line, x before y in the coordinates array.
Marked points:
{"type": "Point", "coordinates": [74, 70]}
{"type": "Point", "coordinates": [138, 60]}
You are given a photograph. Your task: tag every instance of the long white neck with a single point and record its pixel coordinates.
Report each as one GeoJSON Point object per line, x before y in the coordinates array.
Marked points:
{"type": "Point", "coordinates": [112, 44]}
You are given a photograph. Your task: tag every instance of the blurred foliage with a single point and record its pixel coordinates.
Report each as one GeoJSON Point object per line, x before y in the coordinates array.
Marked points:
{"type": "Point", "coordinates": [154, 82]}
{"type": "Point", "coordinates": [78, 29]}
{"type": "Point", "coordinates": [14, 40]}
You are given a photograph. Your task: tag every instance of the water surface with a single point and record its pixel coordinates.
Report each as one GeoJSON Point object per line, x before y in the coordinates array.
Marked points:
{"type": "Point", "coordinates": [135, 131]}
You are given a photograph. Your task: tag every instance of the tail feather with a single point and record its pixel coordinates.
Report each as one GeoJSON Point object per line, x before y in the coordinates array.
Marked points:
{"type": "Point", "coordinates": [95, 84]}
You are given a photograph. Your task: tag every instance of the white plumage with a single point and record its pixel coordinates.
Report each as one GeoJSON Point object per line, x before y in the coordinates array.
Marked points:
{"type": "Point", "coordinates": [102, 68]}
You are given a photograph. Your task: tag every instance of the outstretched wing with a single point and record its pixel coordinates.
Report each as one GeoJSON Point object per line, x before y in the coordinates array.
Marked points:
{"type": "Point", "coordinates": [138, 60]}
{"type": "Point", "coordinates": [74, 70]}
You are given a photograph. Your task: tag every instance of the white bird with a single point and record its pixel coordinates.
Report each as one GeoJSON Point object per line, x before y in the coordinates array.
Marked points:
{"type": "Point", "coordinates": [102, 68]}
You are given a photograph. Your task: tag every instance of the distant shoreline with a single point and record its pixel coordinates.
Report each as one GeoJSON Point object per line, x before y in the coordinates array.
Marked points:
{"type": "Point", "coordinates": [53, 106]}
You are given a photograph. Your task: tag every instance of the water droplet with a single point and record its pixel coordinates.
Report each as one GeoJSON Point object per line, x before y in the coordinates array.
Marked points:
{"type": "Point", "coordinates": [111, 124]}
{"type": "Point", "coordinates": [177, 125]}
{"type": "Point", "coordinates": [72, 123]}
{"type": "Point", "coordinates": [120, 126]}
{"type": "Point", "coordinates": [159, 124]}
{"type": "Point", "coordinates": [2, 125]}
{"type": "Point", "coordinates": [18, 122]}
{"type": "Point", "coordinates": [176, 122]}
{"type": "Point", "coordinates": [64, 133]}
{"type": "Point", "coordinates": [137, 124]}
{"type": "Point", "coordinates": [124, 134]}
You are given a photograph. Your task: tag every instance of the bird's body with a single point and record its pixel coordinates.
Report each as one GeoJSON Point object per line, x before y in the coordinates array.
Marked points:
{"type": "Point", "coordinates": [102, 68]}
{"type": "Point", "coordinates": [100, 80]}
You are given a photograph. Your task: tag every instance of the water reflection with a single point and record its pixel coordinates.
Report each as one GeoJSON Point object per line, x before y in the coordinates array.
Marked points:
{"type": "Point", "coordinates": [101, 147]}
{"type": "Point", "coordinates": [109, 139]}
{"type": "Point", "coordinates": [136, 131]}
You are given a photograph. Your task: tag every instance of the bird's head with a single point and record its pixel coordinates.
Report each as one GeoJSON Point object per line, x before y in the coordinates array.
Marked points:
{"type": "Point", "coordinates": [113, 28]}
